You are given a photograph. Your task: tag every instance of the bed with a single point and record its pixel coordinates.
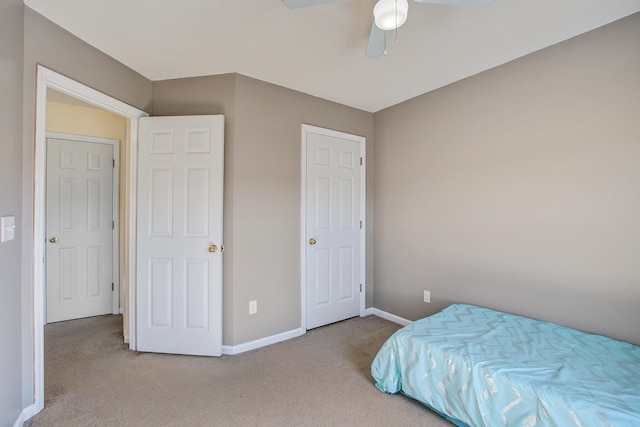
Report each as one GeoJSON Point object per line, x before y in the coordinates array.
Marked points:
{"type": "Point", "coordinates": [480, 367]}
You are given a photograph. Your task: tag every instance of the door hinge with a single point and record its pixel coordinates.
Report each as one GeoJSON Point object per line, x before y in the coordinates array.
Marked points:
{"type": "Point", "coordinates": [360, 161]}
{"type": "Point", "coordinates": [114, 162]}
{"type": "Point", "coordinates": [360, 224]}
{"type": "Point", "coordinates": [113, 225]}
{"type": "Point", "coordinates": [360, 287]}
{"type": "Point", "coordinates": [113, 288]}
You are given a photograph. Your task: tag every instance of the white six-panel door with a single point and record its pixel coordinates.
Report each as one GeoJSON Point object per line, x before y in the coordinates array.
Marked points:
{"type": "Point", "coordinates": [79, 247]}
{"type": "Point", "coordinates": [179, 262]}
{"type": "Point", "coordinates": [333, 233]}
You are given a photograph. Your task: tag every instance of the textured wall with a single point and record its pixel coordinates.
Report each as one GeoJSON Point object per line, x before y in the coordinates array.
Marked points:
{"type": "Point", "coordinates": [11, 360]}
{"type": "Point", "coordinates": [87, 121]}
{"type": "Point", "coordinates": [518, 189]}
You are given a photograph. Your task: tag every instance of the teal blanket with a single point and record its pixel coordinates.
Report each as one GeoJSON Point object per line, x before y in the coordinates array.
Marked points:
{"type": "Point", "coordinates": [480, 367]}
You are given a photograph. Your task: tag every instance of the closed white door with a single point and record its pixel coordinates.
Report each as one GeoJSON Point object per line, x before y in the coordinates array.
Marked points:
{"type": "Point", "coordinates": [179, 259]}
{"type": "Point", "coordinates": [79, 247]}
{"type": "Point", "coordinates": [334, 239]}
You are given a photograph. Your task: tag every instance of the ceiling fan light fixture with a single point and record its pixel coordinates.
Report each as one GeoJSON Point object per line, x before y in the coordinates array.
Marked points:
{"type": "Point", "coordinates": [390, 14]}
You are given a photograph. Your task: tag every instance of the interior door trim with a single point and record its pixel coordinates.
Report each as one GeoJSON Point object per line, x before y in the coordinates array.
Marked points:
{"type": "Point", "coordinates": [48, 79]}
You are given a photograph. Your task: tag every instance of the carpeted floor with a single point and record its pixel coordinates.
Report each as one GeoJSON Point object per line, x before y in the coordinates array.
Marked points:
{"type": "Point", "coordinates": [319, 379]}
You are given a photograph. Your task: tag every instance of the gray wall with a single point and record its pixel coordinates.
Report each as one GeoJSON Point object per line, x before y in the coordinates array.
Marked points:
{"type": "Point", "coordinates": [262, 190]}
{"type": "Point", "coordinates": [47, 44]}
{"type": "Point", "coordinates": [11, 54]}
{"type": "Point", "coordinates": [519, 189]}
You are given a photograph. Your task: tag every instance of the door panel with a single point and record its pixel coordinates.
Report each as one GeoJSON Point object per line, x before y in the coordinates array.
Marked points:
{"type": "Point", "coordinates": [160, 204]}
{"type": "Point", "coordinates": [347, 273]}
{"type": "Point", "coordinates": [333, 214]}
{"type": "Point", "coordinates": [197, 294]}
{"type": "Point", "coordinates": [179, 286]}
{"type": "Point", "coordinates": [197, 202]}
{"type": "Point", "coordinates": [79, 247]}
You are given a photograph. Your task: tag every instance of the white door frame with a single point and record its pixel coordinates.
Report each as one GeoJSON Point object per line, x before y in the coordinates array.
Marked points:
{"type": "Point", "coordinates": [303, 212]}
{"type": "Point", "coordinates": [48, 79]}
{"type": "Point", "coordinates": [115, 144]}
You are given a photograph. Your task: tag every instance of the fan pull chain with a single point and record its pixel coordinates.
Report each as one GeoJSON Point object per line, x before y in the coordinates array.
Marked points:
{"type": "Point", "coordinates": [385, 43]}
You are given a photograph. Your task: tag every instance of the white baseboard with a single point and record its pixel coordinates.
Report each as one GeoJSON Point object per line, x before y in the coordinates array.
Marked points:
{"type": "Point", "coordinates": [26, 413]}
{"type": "Point", "coordinates": [262, 342]}
{"type": "Point", "coordinates": [20, 421]}
{"type": "Point", "coordinates": [390, 317]}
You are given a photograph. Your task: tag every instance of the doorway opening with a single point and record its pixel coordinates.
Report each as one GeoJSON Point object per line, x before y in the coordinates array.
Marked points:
{"type": "Point", "coordinates": [51, 82]}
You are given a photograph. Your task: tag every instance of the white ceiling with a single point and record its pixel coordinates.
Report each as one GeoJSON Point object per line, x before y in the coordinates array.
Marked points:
{"type": "Point", "coordinates": [320, 50]}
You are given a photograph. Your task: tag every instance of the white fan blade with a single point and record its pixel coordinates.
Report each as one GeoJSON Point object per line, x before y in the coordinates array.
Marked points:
{"type": "Point", "coordinates": [471, 3]}
{"type": "Point", "coordinates": [375, 46]}
{"type": "Point", "coordinates": [294, 4]}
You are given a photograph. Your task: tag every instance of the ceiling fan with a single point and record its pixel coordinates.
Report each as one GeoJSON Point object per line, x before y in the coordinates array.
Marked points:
{"type": "Point", "coordinates": [388, 15]}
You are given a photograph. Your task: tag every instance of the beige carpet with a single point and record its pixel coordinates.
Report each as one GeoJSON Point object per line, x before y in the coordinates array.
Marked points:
{"type": "Point", "coordinates": [319, 379]}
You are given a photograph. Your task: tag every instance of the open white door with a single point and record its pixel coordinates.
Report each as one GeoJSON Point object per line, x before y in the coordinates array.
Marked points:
{"type": "Point", "coordinates": [179, 262]}
{"type": "Point", "coordinates": [333, 225]}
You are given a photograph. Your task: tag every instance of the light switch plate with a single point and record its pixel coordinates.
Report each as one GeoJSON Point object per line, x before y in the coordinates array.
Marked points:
{"type": "Point", "coordinates": [7, 228]}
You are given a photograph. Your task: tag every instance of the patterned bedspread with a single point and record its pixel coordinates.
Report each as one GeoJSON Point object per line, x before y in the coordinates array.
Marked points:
{"type": "Point", "coordinates": [480, 367]}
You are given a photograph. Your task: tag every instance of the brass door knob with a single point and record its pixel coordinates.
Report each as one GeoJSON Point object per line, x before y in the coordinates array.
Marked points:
{"type": "Point", "coordinates": [213, 248]}
{"type": "Point", "coordinates": [312, 241]}
{"type": "Point", "coordinates": [53, 240]}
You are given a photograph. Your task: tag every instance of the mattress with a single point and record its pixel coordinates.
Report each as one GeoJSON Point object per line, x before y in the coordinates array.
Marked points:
{"type": "Point", "coordinates": [480, 367]}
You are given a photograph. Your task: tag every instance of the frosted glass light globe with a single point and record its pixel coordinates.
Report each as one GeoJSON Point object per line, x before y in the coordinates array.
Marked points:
{"type": "Point", "coordinates": [390, 14]}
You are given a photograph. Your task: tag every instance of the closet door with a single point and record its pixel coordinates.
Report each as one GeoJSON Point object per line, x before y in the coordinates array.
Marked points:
{"type": "Point", "coordinates": [334, 232]}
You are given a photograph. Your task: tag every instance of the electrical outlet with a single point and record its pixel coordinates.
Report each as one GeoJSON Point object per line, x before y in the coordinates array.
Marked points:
{"type": "Point", "coordinates": [253, 307]}
{"type": "Point", "coordinates": [427, 296]}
